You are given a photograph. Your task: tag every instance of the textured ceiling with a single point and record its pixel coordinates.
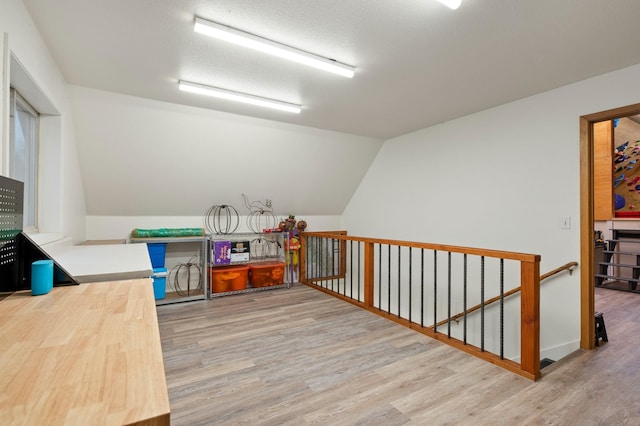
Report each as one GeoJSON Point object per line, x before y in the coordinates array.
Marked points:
{"type": "Point", "coordinates": [418, 62]}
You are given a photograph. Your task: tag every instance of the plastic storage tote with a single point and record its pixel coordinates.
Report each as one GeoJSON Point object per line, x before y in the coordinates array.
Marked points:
{"type": "Point", "coordinates": [231, 278]}
{"type": "Point", "coordinates": [159, 282]}
{"type": "Point", "coordinates": [157, 254]}
{"type": "Point", "coordinates": [266, 274]}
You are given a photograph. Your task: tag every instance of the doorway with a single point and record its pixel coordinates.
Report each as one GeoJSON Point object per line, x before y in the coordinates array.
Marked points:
{"type": "Point", "coordinates": [587, 275]}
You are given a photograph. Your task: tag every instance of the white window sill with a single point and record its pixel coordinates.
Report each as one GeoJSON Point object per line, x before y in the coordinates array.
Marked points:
{"type": "Point", "coordinates": [45, 238]}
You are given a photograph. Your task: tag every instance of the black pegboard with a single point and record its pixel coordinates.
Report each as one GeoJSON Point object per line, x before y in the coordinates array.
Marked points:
{"type": "Point", "coordinates": [11, 217]}
{"type": "Point", "coordinates": [17, 250]}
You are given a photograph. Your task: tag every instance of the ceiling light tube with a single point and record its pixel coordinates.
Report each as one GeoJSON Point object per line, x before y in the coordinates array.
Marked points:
{"type": "Point", "coordinates": [242, 38]}
{"type": "Point", "coordinates": [453, 4]}
{"type": "Point", "coordinates": [238, 97]}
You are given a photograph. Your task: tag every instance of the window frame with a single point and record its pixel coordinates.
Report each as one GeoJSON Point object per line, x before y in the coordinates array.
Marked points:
{"type": "Point", "coordinates": [18, 102]}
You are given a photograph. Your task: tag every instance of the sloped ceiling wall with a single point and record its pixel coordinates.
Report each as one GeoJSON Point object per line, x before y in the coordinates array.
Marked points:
{"type": "Point", "coordinates": [148, 158]}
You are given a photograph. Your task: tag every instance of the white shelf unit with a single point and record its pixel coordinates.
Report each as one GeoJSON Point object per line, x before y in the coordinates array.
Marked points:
{"type": "Point", "coordinates": [264, 248]}
{"type": "Point", "coordinates": [181, 251]}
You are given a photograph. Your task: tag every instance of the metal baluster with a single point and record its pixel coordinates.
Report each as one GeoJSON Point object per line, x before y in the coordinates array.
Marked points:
{"type": "Point", "coordinates": [311, 241]}
{"type": "Point", "coordinates": [327, 265]}
{"type": "Point", "coordinates": [421, 287]}
{"type": "Point", "coordinates": [333, 267]}
{"type": "Point", "coordinates": [501, 308]}
{"type": "Point", "coordinates": [465, 299]}
{"type": "Point", "coordinates": [309, 258]}
{"type": "Point", "coordinates": [359, 257]}
{"type": "Point", "coordinates": [449, 295]}
{"type": "Point", "coordinates": [317, 282]}
{"type": "Point", "coordinates": [336, 266]}
{"type": "Point", "coordinates": [482, 303]}
{"type": "Point", "coordinates": [435, 290]}
{"type": "Point", "coordinates": [351, 269]}
{"type": "Point", "coordinates": [410, 281]}
{"type": "Point", "coordinates": [389, 279]}
{"type": "Point", "coordinates": [399, 273]}
{"type": "Point", "coordinates": [321, 262]}
{"type": "Point", "coordinates": [379, 276]}
{"type": "Point", "coordinates": [315, 263]}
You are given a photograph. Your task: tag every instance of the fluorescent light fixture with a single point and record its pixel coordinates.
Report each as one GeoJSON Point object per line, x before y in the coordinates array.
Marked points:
{"type": "Point", "coordinates": [242, 38]}
{"type": "Point", "coordinates": [453, 4]}
{"type": "Point", "coordinates": [238, 97]}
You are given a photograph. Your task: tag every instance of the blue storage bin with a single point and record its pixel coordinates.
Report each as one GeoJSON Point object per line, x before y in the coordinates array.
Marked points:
{"type": "Point", "coordinates": [157, 253]}
{"type": "Point", "coordinates": [159, 282]}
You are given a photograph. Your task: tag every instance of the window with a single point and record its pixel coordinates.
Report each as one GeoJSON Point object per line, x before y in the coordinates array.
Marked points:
{"type": "Point", "coordinates": [23, 154]}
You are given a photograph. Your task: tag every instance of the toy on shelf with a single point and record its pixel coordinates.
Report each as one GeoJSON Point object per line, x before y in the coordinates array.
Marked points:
{"type": "Point", "coordinates": [291, 228]}
{"type": "Point", "coordinates": [288, 224]}
{"type": "Point", "coordinates": [292, 250]}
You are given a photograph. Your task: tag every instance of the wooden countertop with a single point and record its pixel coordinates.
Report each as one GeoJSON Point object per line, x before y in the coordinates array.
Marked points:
{"type": "Point", "coordinates": [85, 354]}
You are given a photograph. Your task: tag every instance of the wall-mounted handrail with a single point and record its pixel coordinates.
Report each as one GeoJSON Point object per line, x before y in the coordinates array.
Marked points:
{"type": "Point", "coordinates": [332, 262]}
{"type": "Point", "coordinates": [567, 267]}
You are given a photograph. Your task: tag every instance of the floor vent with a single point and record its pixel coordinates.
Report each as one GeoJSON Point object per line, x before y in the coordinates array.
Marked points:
{"type": "Point", "coordinates": [545, 363]}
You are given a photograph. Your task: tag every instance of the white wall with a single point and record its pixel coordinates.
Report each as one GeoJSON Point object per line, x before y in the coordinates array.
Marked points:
{"type": "Point", "coordinates": [60, 198]}
{"type": "Point", "coordinates": [501, 179]}
{"type": "Point", "coordinates": [153, 161]}
{"type": "Point", "coordinates": [4, 102]}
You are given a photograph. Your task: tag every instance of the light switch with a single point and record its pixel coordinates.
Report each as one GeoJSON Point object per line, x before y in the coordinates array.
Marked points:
{"type": "Point", "coordinates": [565, 222]}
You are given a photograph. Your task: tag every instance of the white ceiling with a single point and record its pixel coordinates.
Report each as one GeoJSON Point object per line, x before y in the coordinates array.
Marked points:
{"type": "Point", "coordinates": [418, 62]}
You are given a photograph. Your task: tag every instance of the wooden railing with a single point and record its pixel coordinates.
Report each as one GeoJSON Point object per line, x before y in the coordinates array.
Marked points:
{"type": "Point", "coordinates": [419, 285]}
{"type": "Point", "coordinates": [566, 267]}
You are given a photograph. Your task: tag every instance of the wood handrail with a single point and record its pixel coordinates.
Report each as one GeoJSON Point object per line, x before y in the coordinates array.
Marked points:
{"type": "Point", "coordinates": [567, 266]}
{"type": "Point", "coordinates": [341, 235]}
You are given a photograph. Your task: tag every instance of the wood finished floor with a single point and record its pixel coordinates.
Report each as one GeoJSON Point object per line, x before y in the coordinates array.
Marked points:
{"type": "Point", "coordinates": [298, 357]}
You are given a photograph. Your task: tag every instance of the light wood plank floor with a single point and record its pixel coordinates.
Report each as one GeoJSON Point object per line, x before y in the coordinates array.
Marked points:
{"type": "Point", "coordinates": [300, 357]}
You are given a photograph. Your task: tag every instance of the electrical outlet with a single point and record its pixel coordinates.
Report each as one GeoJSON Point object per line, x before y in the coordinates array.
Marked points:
{"type": "Point", "coordinates": [565, 222]}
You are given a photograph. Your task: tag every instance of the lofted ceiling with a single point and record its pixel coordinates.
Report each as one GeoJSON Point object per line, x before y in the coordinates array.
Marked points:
{"type": "Point", "coordinates": [418, 63]}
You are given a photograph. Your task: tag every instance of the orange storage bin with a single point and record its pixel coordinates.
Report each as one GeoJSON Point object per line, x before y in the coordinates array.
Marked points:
{"type": "Point", "coordinates": [266, 274]}
{"type": "Point", "coordinates": [230, 278]}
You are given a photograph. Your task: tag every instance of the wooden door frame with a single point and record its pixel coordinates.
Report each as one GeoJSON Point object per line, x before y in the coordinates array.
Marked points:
{"type": "Point", "coordinates": [587, 270]}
